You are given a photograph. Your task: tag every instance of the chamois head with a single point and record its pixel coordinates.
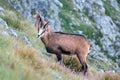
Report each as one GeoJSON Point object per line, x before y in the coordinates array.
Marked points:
{"type": "Point", "coordinates": [42, 30]}
{"type": "Point", "coordinates": [36, 15]}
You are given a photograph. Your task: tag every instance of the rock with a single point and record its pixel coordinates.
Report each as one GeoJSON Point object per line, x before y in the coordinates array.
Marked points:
{"type": "Point", "coordinates": [6, 30]}
{"type": "Point", "coordinates": [78, 4]}
{"type": "Point", "coordinates": [4, 27]}
{"type": "Point", "coordinates": [109, 31]}
{"type": "Point", "coordinates": [25, 39]}
{"type": "Point", "coordinates": [25, 8]}
{"type": "Point", "coordinates": [88, 9]}
{"type": "Point", "coordinates": [12, 33]}
{"type": "Point", "coordinates": [1, 11]}
{"type": "Point", "coordinates": [114, 4]}
{"type": "Point", "coordinates": [4, 24]}
{"type": "Point", "coordinates": [57, 2]}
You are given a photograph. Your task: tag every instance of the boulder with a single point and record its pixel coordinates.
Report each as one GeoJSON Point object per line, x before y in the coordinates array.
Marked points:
{"type": "Point", "coordinates": [25, 39]}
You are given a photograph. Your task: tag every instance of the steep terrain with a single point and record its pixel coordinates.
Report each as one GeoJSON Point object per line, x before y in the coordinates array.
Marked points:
{"type": "Point", "coordinates": [22, 55]}
{"type": "Point", "coordinates": [96, 19]}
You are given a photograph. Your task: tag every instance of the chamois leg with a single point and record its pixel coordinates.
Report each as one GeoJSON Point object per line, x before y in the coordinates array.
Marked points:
{"type": "Point", "coordinates": [59, 58]}
{"type": "Point", "coordinates": [83, 63]}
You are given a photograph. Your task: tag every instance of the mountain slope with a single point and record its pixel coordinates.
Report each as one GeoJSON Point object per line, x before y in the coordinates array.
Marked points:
{"type": "Point", "coordinates": [22, 55]}
{"type": "Point", "coordinates": [100, 17]}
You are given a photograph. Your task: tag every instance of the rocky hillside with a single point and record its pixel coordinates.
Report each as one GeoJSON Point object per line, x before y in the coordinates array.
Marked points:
{"type": "Point", "coordinates": [98, 20]}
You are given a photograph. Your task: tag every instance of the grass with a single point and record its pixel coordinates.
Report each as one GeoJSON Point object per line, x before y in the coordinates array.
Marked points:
{"type": "Point", "coordinates": [13, 20]}
{"type": "Point", "coordinates": [20, 62]}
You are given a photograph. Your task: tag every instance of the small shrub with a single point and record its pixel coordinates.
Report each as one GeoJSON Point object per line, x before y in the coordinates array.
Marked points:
{"type": "Point", "coordinates": [72, 62]}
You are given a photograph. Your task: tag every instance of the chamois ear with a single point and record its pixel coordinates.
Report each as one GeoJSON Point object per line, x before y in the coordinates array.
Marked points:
{"type": "Point", "coordinates": [37, 12]}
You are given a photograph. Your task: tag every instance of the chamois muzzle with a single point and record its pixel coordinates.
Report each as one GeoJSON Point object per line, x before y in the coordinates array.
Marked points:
{"type": "Point", "coordinates": [42, 30]}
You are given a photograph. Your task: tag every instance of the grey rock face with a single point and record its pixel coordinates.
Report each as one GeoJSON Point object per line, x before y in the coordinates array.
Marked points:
{"type": "Point", "coordinates": [104, 23]}
{"type": "Point", "coordinates": [78, 4]}
{"type": "Point", "coordinates": [46, 7]}
{"type": "Point", "coordinates": [114, 4]}
{"type": "Point", "coordinates": [109, 31]}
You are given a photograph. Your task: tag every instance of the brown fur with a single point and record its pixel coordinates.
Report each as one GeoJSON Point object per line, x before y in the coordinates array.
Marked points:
{"type": "Point", "coordinates": [62, 43]}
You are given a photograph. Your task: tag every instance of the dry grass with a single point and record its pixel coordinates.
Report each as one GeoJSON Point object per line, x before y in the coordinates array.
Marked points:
{"type": "Point", "coordinates": [37, 62]}
{"type": "Point", "coordinates": [72, 62]}
{"type": "Point", "coordinates": [111, 76]}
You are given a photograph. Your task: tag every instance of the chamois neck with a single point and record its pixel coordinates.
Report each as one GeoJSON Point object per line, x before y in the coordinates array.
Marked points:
{"type": "Point", "coordinates": [45, 38]}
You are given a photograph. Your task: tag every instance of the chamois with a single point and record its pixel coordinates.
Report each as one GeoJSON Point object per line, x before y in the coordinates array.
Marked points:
{"type": "Point", "coordinates": [60, 43]}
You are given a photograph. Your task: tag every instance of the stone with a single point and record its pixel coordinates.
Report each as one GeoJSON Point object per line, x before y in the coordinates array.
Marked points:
{"type": "Point", "coordinates": [25, 39]}
{"type": "Point", "coordinates": [12, 33]}
{"type": "Point", "coordinates": [5, 26]}
{"type": "Point", "coordinates": [58, 3]}
{"type": "Point", "coordinates": [114, 4]}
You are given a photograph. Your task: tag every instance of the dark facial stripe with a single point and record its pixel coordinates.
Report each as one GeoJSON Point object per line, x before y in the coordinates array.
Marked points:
{"type": "Point", "coordinates": [40, 23]}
